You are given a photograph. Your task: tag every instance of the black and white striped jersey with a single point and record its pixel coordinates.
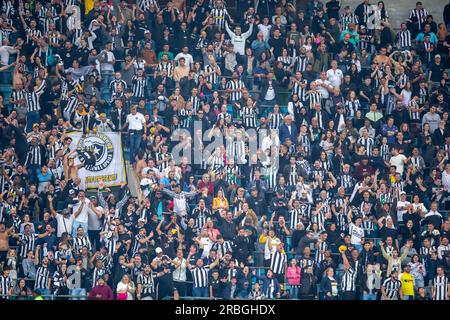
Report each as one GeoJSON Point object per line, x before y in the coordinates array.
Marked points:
{"type": "Point", "coordinates": [80, 242]}
{"type": "Point", "coordinates": [219, 15]}
{"type": "Point", "coordinates": [27, 243]}
{"type": "Point", "coordinates": [200, 276]}
{"type": "Point", "coordinates": [414, 115]}
{"type": "Point", "coordinates": [391, 288]}
{"type": "Point", "coordinates": [368, 144]}
{"type": "Point", "coordinates": [139, 86]}
{"type": "Point", "coordinates": [421, 15]}
{"type": "Point", "coordinates": [32, 33]}
{"type": "Point", "coordinates": [16, 96]}
{"type": "Point", "coordinates": [347, 181]}
{"type": "Point", "coordinates": [168, 66]}
{"type": "Point", "coordinates": [32, 98]}
{"type": "Point", "coordinates": [300, 63]}
{"type": "Point", "coordinates": [346, 19]}
{"type": "Point", "coordinates": [42, 276]}
{"type": "Point", "coordinates": [115, 84]}
{"type": "Point", "coordinates": [249, 116]}
{"type": "Point", "coordinates": [300, 91]}
{"type": "Point", "coordinates": [314, 97]}
{"type": "Point", "coordinates": [440, 286]}
{"type": "Point", "coordinates": [286, 61]}
{"type": "Point", "coordinates": [234, 85]}
{"type": "Point", "coordinates": [223, 248]}
{"type": "Point", "coordinates": [275, 120]}
{"type": "Point", "coordinates": [147, 284]}
{"type": "Point", "coordinates": [348, 282]}
{"type": "Point", "coordinates": [232, 173]}
{"type": "Point", "coordinates": [404, 39]}
{"type": "Point", "coordinates": [213, 76]}
{"type": "Point", "coordinates": [6, 284]}
{"type": "Point", "coordinates": [385, 152]}
{"type": "Point", "coordinates": [200, 216]}
{"type": "Point", "coordinates": [351, 107]}
{"type": "Point", "coordinates": [97, 274]}
{"type": "Point", "coordinates": [35, 155]}
{"type": "Point", "coordinates": [320, 252]}
{"type": "Point", "coordinates": [165, 163]}
{"type": "Point", "coordinates": [144, 5]}
{"type": "Point", "coordinates": [278, 262]}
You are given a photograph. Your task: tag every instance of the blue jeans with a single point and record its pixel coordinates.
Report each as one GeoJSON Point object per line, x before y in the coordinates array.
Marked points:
{"type": "Point", "coordinates": [33, 170]}
{"type": "Point", "coordinates": [293, 292]}
{"type": "Point", "coordinates": [32, 118]}
{"type": "Point", "coordinates": [369, 296]}
{"type": "Point", "coordinates": [135, 143]}
{"type": "Point", "coordinates": [107, 78]}
{"type": "Point", "coordinates": [408, 298]}
{"type": "Point", "coordinates": [358, 247]}
{"type": "Point", "coordinates": [45, 292]}
{"type": "Point", "coordinates": [77, 224]}
{"type": "Point", "coordinates": [78, 293]}
{"type": "Point", "coordinates": [200, 292]}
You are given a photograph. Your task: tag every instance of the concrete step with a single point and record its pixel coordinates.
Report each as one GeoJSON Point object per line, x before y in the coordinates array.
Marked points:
{"type": "Point", "coordinates": [132, 179]}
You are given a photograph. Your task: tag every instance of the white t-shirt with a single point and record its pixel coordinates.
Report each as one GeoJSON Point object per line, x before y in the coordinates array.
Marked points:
{"type": "Point", "coordinates": [335, 77]}
{"type": "Point", "coordinates": [397, 161]}
{"type": "Point", "coordinates": [324, 91]}
{"type": "Point", "coordinates": [357, 233]}
{"type": "Point", "coordinates": [83, 217]}
{"type": "Point", "coordinates": [179, 274]}
{"type": "Point", "coordinates": [64, 224]}
{"type": "Point", "coordinates": [207, 245]}
{"type": "Point", "coordinates": [401, 212]}
{"type": "Point", "coordinates": [187, 57]}
{"type": "Point", "coordinates": [446, 179]}
{"type": "Point", "coordinates": [135, 122]}
{"type": "Point", "coordinates": [108, 66]}
{"type": "Point", "coordinates": [265, 30]}
{"type": "Point", "coordinates": [270, 95]}
{"type": "Point", "coordinates": [94, 222]}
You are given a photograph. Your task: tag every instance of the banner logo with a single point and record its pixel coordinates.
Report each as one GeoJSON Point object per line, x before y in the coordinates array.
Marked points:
{"type": "Point", "coordinates": [95, 151]}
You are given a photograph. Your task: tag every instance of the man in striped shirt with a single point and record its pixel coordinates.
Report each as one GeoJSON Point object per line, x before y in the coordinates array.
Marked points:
{"type": "Point", "coordinates": [6, 284]}
{"type": "Point", "coordinates": [200, 275]}
{"type": "Point", "coordinates": [43, 279]}
{"type": "Point", "coordinates": [420, 13]}
{"type": "Point", "coordinates": [392, 288]}
{"type": "Point", "coordinates": [278, 263]}
{"type": "Point", "coordinates": [441, 285]}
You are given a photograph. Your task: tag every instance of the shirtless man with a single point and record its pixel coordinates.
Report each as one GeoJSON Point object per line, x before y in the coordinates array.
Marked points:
{"type": "Point", "coordinates": [70, 169]}
{"type": "Point", "coordinates": [4, 242]}
{"type": "Point", "coordinates": [382, 59]}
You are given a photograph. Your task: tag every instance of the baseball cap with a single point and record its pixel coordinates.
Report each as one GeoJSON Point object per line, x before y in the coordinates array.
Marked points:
{"type": "Point", "coordinates": [158, 250]}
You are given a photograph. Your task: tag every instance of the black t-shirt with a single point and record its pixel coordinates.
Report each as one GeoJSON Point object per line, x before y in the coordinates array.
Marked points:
{"type": "Point", "coordinates": [387, 232]}
{"type": "Point", "coordinates": [216, 288]}
{"type": "Point", "coordinates": [165, 282]}
{"type": "Point", "coordinates": [278, 45]}
{"type": "Point", "coordinates": [437, 71]}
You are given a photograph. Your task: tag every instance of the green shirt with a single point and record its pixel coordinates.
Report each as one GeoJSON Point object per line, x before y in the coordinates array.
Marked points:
{"type": "Point", "coordinates": [169, 55]}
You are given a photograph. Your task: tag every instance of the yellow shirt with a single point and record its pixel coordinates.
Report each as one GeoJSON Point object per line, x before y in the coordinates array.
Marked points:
{"type": "Point", "coordinates": [407, 280]}
{"type": "Point", "coordinates": [89, 4]}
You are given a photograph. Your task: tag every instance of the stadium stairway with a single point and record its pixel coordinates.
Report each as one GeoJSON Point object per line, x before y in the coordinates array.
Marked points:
{"type": "Point", "coordinates": [132, 179]}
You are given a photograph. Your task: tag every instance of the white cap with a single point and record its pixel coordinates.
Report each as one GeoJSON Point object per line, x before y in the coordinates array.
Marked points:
{"type": "Point", "coordinates": [158, 250]}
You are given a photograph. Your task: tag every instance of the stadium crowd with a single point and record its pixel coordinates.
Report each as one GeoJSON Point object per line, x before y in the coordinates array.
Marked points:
{"type": "Point", "coordinates": [344, 197]}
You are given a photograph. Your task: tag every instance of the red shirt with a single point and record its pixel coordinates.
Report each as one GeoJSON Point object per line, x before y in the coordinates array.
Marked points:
{"type": "Point", "coordinates": [101, 293]}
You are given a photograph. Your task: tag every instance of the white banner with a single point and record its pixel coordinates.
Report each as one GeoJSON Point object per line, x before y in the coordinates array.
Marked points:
{"type": "Point", "coordinates": [102, 156]}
